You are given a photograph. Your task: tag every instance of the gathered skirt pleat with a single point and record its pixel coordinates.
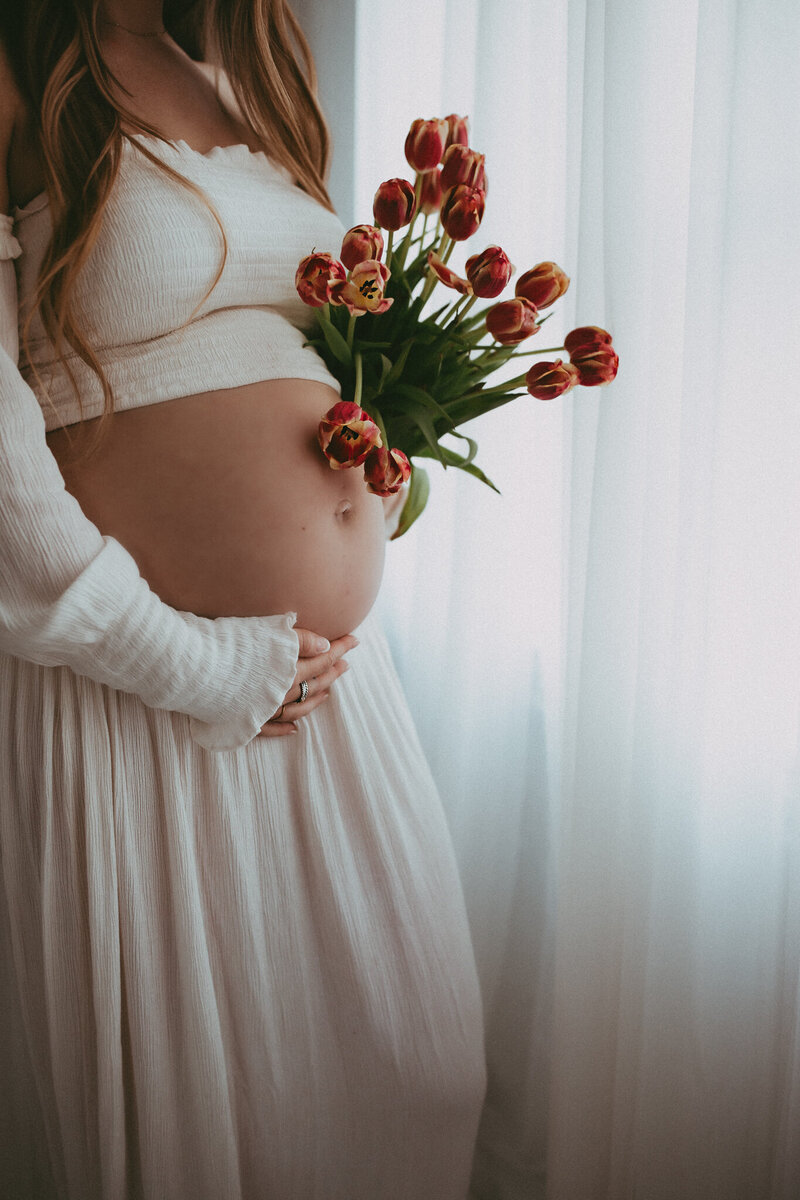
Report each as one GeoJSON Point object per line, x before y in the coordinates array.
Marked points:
{"type": "Point", "coordinates": [229, 976]}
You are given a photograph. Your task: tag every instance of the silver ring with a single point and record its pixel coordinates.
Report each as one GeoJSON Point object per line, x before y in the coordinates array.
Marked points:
{"type": "Point", "coordinates": [303, 692]}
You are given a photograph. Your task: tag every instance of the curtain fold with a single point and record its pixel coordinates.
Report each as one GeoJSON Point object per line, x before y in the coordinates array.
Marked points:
{"type": "Point", "coordinates": [604, 662]}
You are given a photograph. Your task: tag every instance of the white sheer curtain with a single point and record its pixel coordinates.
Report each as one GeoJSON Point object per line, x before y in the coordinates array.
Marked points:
{"type": "Point", "coordinates": [605, 662]}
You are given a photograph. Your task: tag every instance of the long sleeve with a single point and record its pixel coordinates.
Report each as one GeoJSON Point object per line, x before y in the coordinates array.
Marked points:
{"type": "Point", "coordinates": [71, 596]}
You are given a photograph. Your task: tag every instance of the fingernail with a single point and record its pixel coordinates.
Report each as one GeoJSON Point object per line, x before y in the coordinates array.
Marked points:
{"type": "Point", "coordinates": [322, 645]}
{"type": "Point", "coordinates": [356, 642]}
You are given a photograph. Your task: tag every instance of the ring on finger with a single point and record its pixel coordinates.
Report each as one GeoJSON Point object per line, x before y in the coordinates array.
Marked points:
{"type": "Point", "coordinates": [303, 691]}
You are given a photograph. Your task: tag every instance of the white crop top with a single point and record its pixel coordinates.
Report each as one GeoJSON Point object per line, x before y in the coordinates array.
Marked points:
{"type": "Point", "coordinates": [157, 253]}
{"type": "Point", "coordinates": [69, 595]}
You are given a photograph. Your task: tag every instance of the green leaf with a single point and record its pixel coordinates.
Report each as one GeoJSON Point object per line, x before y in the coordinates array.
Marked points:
{"type": "Point", "coordinates": [463, 464]}
{"type": "Point", "coordinates": [418, 491]}
{"type": "Point", "coordinates": [336, 343]}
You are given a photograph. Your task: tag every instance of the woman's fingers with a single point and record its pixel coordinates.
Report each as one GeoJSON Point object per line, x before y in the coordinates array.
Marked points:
{"type": "Point", "coordinates": [318, 671]}
{"type": "Point", "coordinates": [315, 665]}
{"type": "Point", "coordinates": [283, 722]}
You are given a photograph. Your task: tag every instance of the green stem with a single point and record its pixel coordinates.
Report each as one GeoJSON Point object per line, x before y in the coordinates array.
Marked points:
{"type": "Point", "coordinates": [378, 419]}
{"type": "Point", "coordinates": [470, 301]}
{"type": "Point", "coordinates": [508, 386]}
{"type": "Point", "coordinates": [351, 325]}
{"type": "Point", "coordinates": [389, 241]}
{"type": "Point", "coordinates": [449, 250]}
{"type": "Point", "coordinates": [357, 388]}
{"type": "Point", "coordinates": [546, 350]}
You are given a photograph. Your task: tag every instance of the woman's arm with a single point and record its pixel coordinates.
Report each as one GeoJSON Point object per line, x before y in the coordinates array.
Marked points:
{"type": "Point", "coordinates": [74, 597]}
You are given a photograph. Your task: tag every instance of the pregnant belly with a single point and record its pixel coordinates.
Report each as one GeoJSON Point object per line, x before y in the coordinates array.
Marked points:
{"type": "Point", "coordinates": [229, 508]}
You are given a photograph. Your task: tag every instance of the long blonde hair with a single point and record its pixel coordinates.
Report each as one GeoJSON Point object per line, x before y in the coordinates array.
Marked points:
{"type": "Point", "coordinates": [54, 50]}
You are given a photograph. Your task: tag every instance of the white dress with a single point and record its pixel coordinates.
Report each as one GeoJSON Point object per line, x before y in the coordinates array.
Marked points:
{"type": "Point", "coordinates": [231, 968]}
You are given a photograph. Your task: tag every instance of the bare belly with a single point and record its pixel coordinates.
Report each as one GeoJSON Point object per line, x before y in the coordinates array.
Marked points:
{"type": "Point", "coordinates": [229, 508]}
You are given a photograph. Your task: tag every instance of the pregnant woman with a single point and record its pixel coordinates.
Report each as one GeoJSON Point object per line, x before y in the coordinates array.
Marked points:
{"type": "Point", "coordinates": [234, 958]}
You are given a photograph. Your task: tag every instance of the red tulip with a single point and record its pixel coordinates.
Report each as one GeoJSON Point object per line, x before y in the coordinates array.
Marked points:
{"type": "Point", "coordinates": [430, 197]}
{"type": "Point", "coordinates": [543, 284]}
{"type": "Point", "coordinates": [511, 321]}
{"type": "Point", "coordinates": [462, 165]}
{"type": "Point", "coordinates": [457, 130]}
{"type": "Point", "coordinates": [462, 211]}
{"type": "Point", "coordinates": [591, 351]}
{"type": "Point", "coordinates": [386, 471]}
{"type": "Point", "coordinates": [446, 276]}
{"type": "Point", "coordinates": [363, 291]}
{"type": "Point", "coordinates": [489, 272]}
{"type": "Point", "coordinates": [315, 276]}
{"type": "Point", "coordinates": [425, 144]}
{"type": "Point", "coordinates": [360, 243]}
{"type": "Point", "coordinates": [586, 335]}
{"type": "Point", "coordinates": [394, 205]}
{"type": "Point", "coordinates": [347, 434]}
{"type": "Point", "coordinates": [546, 380]}
{"type": "Point", "coordinates": [596, 365]}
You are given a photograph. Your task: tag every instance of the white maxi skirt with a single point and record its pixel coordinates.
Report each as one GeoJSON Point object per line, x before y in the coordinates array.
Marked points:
{"type": "Point", "coordinates": [229, 976]}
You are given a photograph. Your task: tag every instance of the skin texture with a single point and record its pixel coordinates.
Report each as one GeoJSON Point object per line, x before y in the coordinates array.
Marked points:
{"type": "Point", "coordinates": [220, 520]}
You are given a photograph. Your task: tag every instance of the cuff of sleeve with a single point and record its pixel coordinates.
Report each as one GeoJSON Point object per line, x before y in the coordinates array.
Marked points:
{"type": "Point", "coordinates": [268, 684]}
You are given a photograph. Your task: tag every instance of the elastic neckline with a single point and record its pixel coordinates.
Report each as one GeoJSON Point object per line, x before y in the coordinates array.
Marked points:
{"type": "Point", "coordinates": [234, 150]}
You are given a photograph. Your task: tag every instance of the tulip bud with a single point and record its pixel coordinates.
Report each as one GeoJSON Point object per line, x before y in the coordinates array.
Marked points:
{"type": "Point", "coordinates": [586, 335]}
{"type": "Point", "coordinates": [462, 211]}
{"type": "Point", "coordinates": [591, 351]}
{"type": "Point", "coordinates": [347, 434]}
{"type": "Point", "coordinates": [386, 471]}
{"type": "Point", "coordinates": [430, 197]}
{"type": "Point", "coordinates": [360, 243]}
{"type": "Point", "coordinates": [363, 291]}
{"type": "Point", "coordinates": [543, 284]}
{"type": "Point", "coordinates": [511, 321]}
{"type": "Point", "coordinates": [462, 165]}
{"type": "Point", "coordinates": [446, 276]}
{"type": "Point", "coordinates": [315, 277]}
{"type": "Point", "coordinates": [394, 204]}
{"type": "Point", "coordinates": [596, 365]}
{"type": "Point", "coordinates": [457, 130]}
{"type": "Point", "coordinates": [546, 380]}
{"type": "Point", "coordinates": [425, 144]}
{"type": "Point", "coordinates": [489, 272]}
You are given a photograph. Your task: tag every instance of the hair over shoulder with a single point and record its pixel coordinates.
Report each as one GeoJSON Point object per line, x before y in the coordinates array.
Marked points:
{"type": "Point", "coordinates": [53, 48]}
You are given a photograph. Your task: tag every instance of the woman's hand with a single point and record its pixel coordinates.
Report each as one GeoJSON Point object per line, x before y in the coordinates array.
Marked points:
{"type": "Point", "coordinates": [318, 671]}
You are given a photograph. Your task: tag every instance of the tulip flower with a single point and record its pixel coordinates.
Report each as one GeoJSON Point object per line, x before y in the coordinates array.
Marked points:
{"type": "Point", "coordinates": [543, 284]}
{"type": "Point", "coordinates": [360, 243]}
{"type": "Point", "coordinates": [462, 211]}
{"type": "Point", "coordinates": [394, 204]}
{"type": "Point", "coordinates": [462, 165]}
{"type": "Point", "coordinates": [430, 197]}
{"type": "Point", "coordinates": [591, 351]}
{"type": "Point", "coordinates": [596, 365]}
{"type": "Point", "coordinates": [363, 290]}
{"type": "Point", "coordinates": [586, 335]}
{"type": "Point", "coordinates": [425, 144]}
{"type": "Point", "coordinates": [386, 471]}
{"type": "Point", "coordinates": [446, 276]}
{"type": "Point", "coordinates": [511, 321]}
{"type": "Point", "coordinates": [545, 380]}
{"type": "Point", "coordinates": [316, 276]}
{"type": "Point", "coordinates": [489, 272]}
{"type": "Point", "coordinates": [347, 435]}
{"type": "Point", "coordinates": [457, 130]}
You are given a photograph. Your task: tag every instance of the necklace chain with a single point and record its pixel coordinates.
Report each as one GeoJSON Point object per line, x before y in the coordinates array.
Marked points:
{"type": "Point", "coordinates": [135, 32]}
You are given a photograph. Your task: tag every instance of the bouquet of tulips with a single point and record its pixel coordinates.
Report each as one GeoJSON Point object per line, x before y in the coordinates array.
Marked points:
{"type": "Point", "coordinates": [410, 378]}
